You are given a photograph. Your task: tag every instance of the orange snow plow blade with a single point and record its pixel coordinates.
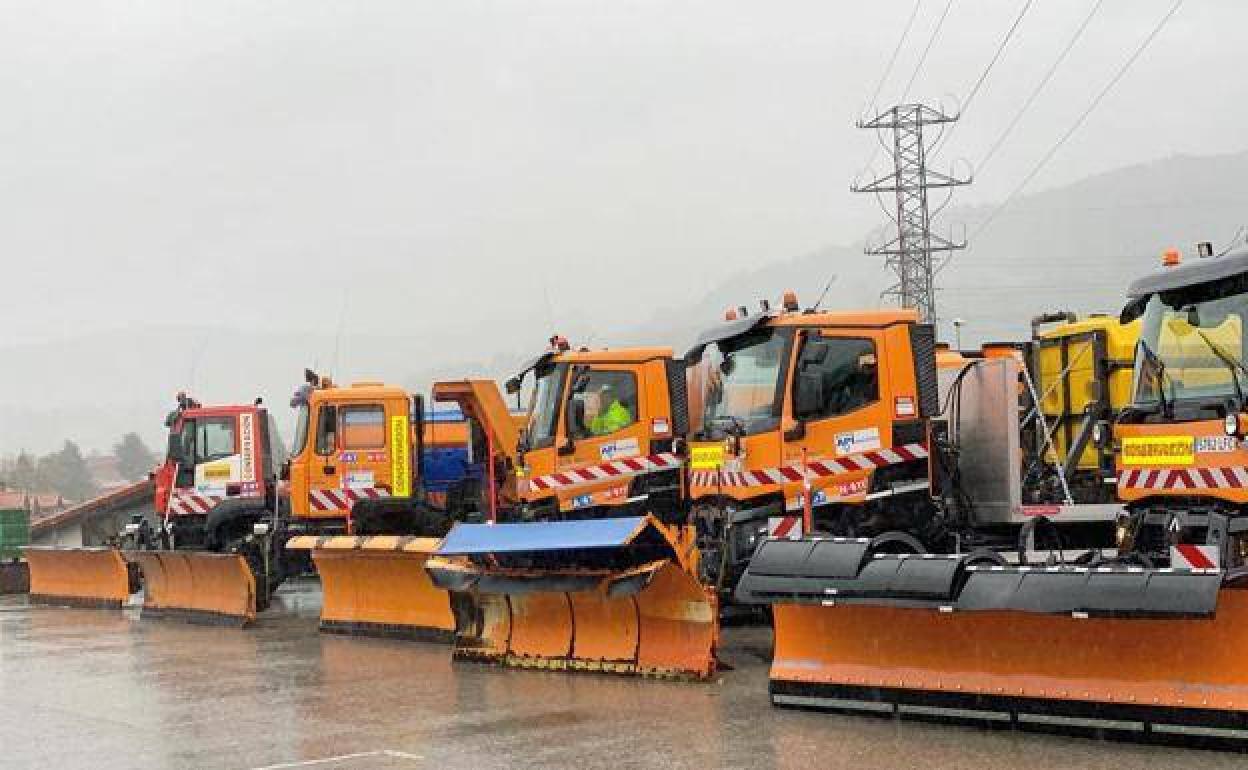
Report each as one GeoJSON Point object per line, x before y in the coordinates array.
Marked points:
{"type": "Point", "coordinates": [562, 596]}
{"type": "Point", "coordinates": [377, 586]}
{"type": "Point", "coordinates": [197, 586]}
{"type": "Point", "coordinates": [1120, 649]}
{"type": "Point", "coordinates": [84, 577]}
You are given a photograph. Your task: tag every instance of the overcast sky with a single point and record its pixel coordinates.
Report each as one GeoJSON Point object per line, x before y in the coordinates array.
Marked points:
{"type": "Point", "coordinates": [420, 165]}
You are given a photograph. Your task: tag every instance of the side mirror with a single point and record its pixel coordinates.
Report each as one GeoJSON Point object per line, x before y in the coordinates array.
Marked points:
{"type": "Point", "coordinates": [513, 386]}
{"type": "Point", "coordinates": [808, 398]}
{"type": "Point", "coordinates": [174, 450]}
{"type": "Point", "coordinates": [283, 473]}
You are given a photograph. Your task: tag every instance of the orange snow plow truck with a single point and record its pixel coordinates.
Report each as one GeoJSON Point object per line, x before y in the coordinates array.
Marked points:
{"type": "Point", "coordinates": [1141, 637]}
{"type": "Point", "coordinates": [229, 533]}
{"type": "Point", "coordinates": [588, 561]}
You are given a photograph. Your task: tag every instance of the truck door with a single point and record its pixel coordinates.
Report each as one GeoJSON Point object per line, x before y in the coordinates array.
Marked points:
{"type": "Point", "coordinates": [604, 423]}
{"type": "Point", "coordinates": [835, 409]}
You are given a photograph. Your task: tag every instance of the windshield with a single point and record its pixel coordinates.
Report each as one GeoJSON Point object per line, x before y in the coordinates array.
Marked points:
{"type": "Point", "coordinates": [742, 383]}
{"type": "Point", "coordinates": [1191, 348]}
{"type": "Point", "coordinates": [544, 408]}
{"type": "Point", "coordinates": [214, 439]}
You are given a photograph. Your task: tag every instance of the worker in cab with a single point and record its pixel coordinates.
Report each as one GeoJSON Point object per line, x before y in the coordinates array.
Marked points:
{"type": "Point", "coordinates": [612, 415]}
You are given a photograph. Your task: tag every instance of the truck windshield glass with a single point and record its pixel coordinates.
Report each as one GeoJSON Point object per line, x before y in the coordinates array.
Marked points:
{"type": "Point", "coordinates": [1191, 349]}
{"type": "Point", "coordinates": [741, 387]}
{"type": "Point", "coordinates": [214, 438]}
{"type": "Point", "coordinates": [544, 408]}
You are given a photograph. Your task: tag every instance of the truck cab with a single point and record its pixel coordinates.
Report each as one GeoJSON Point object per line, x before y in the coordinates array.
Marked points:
{"type": "Point", "coordinates": [219, 459]}
{"type": "Point", "coordinates": [1180, 445]}
{"type": "Point", "coordinates": [792, 404]}
{"type": "Point", "coordinates": [352, 443]}
{"type": "Point", "coordinates": [598, 436]}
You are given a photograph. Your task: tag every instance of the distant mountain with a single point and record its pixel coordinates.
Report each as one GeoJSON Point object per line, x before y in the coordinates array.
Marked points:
{"type": "Point", "coordinates": [1075, 247]}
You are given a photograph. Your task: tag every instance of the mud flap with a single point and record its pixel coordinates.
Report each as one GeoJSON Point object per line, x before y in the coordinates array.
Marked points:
{"type": "Point", "coordinates": [82, 577]}
{"type": "Point", "coordinates": [1112, 648]}
{"type": "Point", "coordinates": [567, 596]}
{"type": "Point", "coordinates": [197, 586]}
{"type": "Point", "coordinates": [377, 586]}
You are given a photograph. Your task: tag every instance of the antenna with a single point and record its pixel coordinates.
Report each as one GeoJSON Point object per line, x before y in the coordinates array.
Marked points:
{"type": "Point", "coordinates": [823, 294]}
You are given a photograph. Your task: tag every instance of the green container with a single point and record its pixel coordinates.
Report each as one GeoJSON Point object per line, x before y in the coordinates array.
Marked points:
{"type": "Point", "coordinates": [14, 532]}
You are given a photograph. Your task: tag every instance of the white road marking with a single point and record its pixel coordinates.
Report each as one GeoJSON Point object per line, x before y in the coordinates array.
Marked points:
{"type": "Point", "coordinates": [341, 758]}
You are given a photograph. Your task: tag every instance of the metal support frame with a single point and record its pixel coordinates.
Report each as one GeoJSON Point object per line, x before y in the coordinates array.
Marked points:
{"type": "Point", "coordinates": [909, 253]}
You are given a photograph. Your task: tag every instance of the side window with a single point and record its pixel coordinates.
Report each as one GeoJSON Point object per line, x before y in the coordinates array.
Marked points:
{"type": "Point", "coordinates": [835, 376]}
{"type": "Point", "coordinates": [602, 402]}
{"type": "Point", "coordinates": [326, 430]}
{"type": "Point", "coordinates": [214, 438]}
{"type": "Point", "coordinates": [363, 426]}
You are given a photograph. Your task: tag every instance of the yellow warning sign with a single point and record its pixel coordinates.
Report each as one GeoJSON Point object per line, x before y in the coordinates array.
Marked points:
{"type": "Point", "coordinates": [400, 462]}
{"type": "Point", "coordinates": [1158, 450]}
{"type": "Point", "coordinates": [707, 457]}
{"type": "Point", "coordinates": [217, 471]}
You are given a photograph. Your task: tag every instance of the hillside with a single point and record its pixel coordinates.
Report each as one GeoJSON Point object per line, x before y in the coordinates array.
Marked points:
{"type": "Point", "coordinates": [1074, 247]}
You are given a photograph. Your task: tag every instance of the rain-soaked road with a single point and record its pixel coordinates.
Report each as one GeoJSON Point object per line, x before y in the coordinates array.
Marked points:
{"type": "Point", "coordinates": [100, 689]}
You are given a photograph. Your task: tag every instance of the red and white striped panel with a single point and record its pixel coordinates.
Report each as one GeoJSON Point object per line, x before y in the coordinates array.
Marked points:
{"type": "Point", "coordinates": [785, 527]}
{"type": "Point", "coordinates": [1231, 477]}
{"type": "Point", "coordinates": [1194, 556]}
{"type": "Point", "coordinates": [820, 468]}
{"type": "Point", "coordinates": [629, 466]}
{"type": "Point", "coordinates": [342, 499]}
{"type": "Point", "coordinates": [185, 503]}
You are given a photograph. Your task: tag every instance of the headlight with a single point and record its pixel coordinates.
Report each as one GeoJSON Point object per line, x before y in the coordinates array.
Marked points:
{"type": "Point", "coordinates": [1231, 424]}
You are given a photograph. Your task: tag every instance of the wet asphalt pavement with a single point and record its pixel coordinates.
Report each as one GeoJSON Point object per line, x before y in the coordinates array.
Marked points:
{"type": "Point", "coordinates": [104, 689]}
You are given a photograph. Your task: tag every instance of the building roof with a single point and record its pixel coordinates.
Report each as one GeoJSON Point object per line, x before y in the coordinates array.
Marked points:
{"type": "Point", "coordinates": [139, 490]}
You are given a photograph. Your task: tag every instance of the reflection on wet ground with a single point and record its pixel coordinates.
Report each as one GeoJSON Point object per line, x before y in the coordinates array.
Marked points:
{"type": "Point", "coordinates": [94, 688]}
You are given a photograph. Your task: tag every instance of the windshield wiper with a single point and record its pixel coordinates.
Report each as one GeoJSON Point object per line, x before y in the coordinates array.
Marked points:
{"type": "Point", "coordinates": [1162, 378]}
{"type": "Point", "coordinates": [1234, 365]}
{"type": "Point", "coordinates": [736, 424]}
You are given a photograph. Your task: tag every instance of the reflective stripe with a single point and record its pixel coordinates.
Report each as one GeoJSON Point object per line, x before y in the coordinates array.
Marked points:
{"type": "Point", "coordinates": [342, 499]}
{"type": "Point", "coordinates": [628, 467]}
{"type": "Point", "coordinates": [817, 468]}
{"type": "Point", "coordinates": [1229, 477]}
{"type": "Point", "coordinates": [185, 503]}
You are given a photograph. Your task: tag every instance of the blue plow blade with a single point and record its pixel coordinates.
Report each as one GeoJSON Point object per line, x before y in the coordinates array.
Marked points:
{"type": "Point", "coordinates": [481, 539]}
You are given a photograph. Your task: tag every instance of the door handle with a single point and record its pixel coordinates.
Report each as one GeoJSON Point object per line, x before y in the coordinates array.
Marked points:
{"type": "Point", "coordinates": [328, 469]}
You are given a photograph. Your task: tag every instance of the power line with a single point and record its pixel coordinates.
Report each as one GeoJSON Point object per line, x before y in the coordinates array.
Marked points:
{"type": "Point", "coordinates": [1044, 160]}
{"type": "Point", "coordinates": [931, 40]}
{"type": "Point", "coordinates": [926, 50]}
{"type": "Point", "coordinates": [979, 83]}
{"type": "Point", "coordinates": [1031, 98]}
{"type": "Point", "coordinates": [888, 69]}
